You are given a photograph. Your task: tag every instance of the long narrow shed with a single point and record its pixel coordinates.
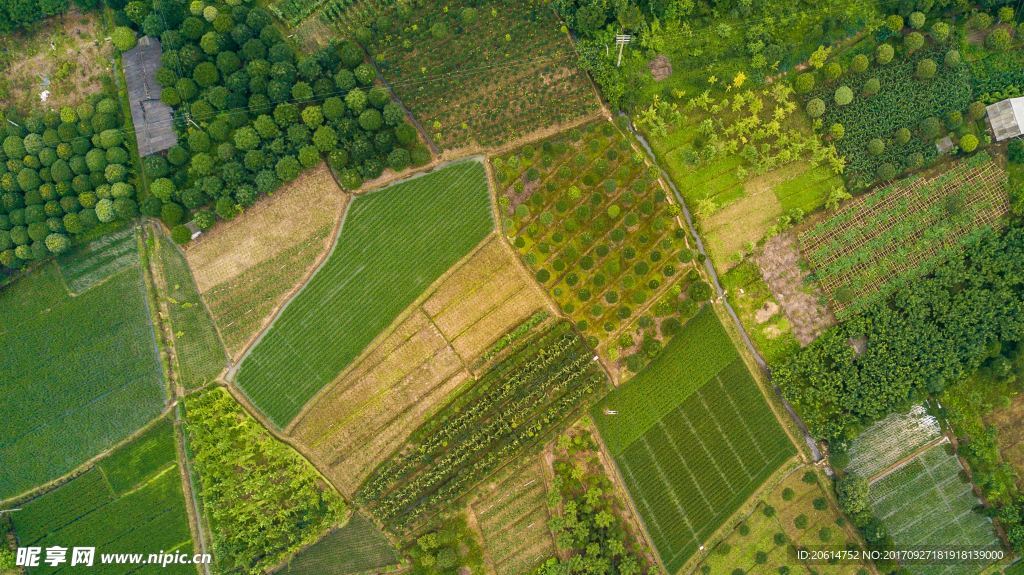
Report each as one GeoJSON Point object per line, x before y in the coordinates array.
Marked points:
{"type": "Point", "coordinates": [154, 123]}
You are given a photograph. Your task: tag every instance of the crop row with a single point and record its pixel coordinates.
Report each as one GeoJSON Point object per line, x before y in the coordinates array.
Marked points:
{"type": "Point", "coordinates": [514, 406]}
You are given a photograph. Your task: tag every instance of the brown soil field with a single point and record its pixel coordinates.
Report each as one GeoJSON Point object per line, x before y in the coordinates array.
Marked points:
{"type": "Point", "coordinates": [355, 423]}
{"type": "Point", "coordinates": [780, 266]}
{"type": "Point", "coordinates": [245, 268]}
{"type": "Point", "coordinates": [68, 51]}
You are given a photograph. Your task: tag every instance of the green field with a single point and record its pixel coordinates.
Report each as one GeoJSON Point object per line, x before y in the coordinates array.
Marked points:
{"type": "Point", "coordinates": [693, 437]}
{"type": "Point", "coordinates": [130, 502]}
{"type": "Point", "coordinates": [80, 373]}
{"type": "Point", "coordinates": [357, 547]}
{"type": "Point", "coordinates": [928, 503]}
{"type": "Point", "coordinates": [393, 244]}
{"type": "Point", "coordinates": [198, 350]}
{"type": "Point", "coordinates": [261, 499]}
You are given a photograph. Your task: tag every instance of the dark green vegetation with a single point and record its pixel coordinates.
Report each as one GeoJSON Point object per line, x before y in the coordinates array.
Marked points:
{"type": "Point", "coordinates": [479, 72]}
{"type": "Point", "coordinates": [199, 353]}
{"type": "Point", "coordinates": [593, 222]}
{"type": "Point", "coordinates": [587, 523]}
{"type": "Point", "coordinates": [693, 437]}
{"type": "Point", "coordinates": [260, 113]}
{"type": "Point", "coordinates": [923, 337]}
{"type": "Point", "coordinates": [15, 14]}
{"type": "Point", "coordinates": [889, 98]}
{"type": "Point", "coordinates": [900, 232]}
{"type": "Point", "coordinates": [451, 548]}
{"type": "Point", "coordinates": [357, 547]}
{"type": "Point", "coordinates": [370, 277]}
{"type": "Point", "coordinates": [61, 175]}
{"type": "Point", "coordinates": [511, 409]}
{"type": "Point", "coordinates": [262, 500]}
{"type": "Point", "coordinates": [131, 502]}
{"type": "Point", "coordinates": [80, 372]}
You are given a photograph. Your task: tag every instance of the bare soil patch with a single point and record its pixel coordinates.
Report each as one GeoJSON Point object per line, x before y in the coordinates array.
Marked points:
{"type": "Point", "coordinates": [660, 67]}
{"type": "Point", "coordinates": [68, 56]}
{"type": "Point", "coordinates": [780, 266]}
{"type": "Point", "coordinates": [270, 227]}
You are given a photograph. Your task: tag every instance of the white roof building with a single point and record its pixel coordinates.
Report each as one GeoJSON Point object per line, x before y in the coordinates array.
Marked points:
{"type": "Point", "coordinates": [1006, 118]}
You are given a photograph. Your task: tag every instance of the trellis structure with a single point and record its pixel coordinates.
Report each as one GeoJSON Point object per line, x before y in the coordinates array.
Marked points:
{"type": "Point", "coordinates": [873, 243]}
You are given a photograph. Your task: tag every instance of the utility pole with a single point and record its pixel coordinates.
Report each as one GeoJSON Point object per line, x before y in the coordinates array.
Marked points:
{"type": "Point", "coordinates": [621, 40]}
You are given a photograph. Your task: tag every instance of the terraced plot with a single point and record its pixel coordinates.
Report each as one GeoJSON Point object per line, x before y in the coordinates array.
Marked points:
{"type": "Point", "coordinates": [512, 513]}
{"type": "Point", "coordinates": [245, 267]}
{"type": "Point", "coordinates": [357, 547]}
{"type": "Point", "coordinates": [693, 437]}
{"type": "Point", "coordinates": [370, 410]}
{"type": "Point", "coordinates": [394, 243]}
{"type": "Point", "coordinates": [80, 372]}
{"type": "Point", "coordinates": [132, 502]}
{"type": "Point", "coordinates": [927, 502]}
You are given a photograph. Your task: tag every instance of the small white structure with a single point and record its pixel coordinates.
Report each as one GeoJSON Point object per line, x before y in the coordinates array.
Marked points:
{"type": "Point", "coordinates": [1006, 118]}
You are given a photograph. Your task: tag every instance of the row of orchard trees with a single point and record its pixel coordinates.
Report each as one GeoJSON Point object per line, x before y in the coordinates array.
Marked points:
{"type": "Point", "coordinates": [258, 113]}
{"type": "Point", "coordinates": [62, 174]}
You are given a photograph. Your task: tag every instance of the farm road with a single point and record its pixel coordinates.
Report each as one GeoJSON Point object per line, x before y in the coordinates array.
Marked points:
{"type": "Point", "coordinates": [710, 267]}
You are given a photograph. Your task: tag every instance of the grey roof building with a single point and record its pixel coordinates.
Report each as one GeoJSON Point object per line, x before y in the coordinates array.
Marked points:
{"type": "Point", "coordinates": [1006, 118]}
{"type": "Point", "coordinates": [154, 124]}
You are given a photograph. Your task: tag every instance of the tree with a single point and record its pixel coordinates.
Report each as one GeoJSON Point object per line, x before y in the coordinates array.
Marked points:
{"type": "Point", "coordinates": [968, 143]}
{"type": "Point", "coordinates": [952, 59]}
{"type": "Point", "coordinates": [917, 20]}
{"type": "Point", "coordinates": [940, 31]}
{"type": "Point", "coordinates": [371, 120]}
{"type": "Point", "coordinates": [837, 131]}
{"type": "Point", "coordinates": [998, 40]}
{"type": "Point", "coordinates": [162, 188]}
{"type": "Point", "coordinates": [815, 108]}
{"type": "Point", "coordinates": [804, 83]}
{"type": "Point", "coordinates": [325, 139]}
{"type": "Point", "coordinates": [172, 214]}
{"type": "Point", "coordinates": [843, 95]}
{"type": "Point", "coordinates": [854, 493]}
{"type": "Point", "coordinates": [833, 70]}
{"type": "Point", "coordinates": [902, 136]}
{"type": "Point", "coordinates": [884, 54]}
{"type": "Point", "coordinates": [871, 87]}
{"type": "Point", "coordinates": [876, 147]}
{"type": "Point", "coordinates": [123, 38]}
{"type": "Point", "coordinates": [105, 211]}
{"type": "Point", "coordinates": [860, 63]}
{"type": "Point", "coordinates": [288, 168]}
{"type": "Point", "coordinates": [206, 74]}
{"type": "Point", "coordinates": [913, 42]}
{"type": "Point", "coordinates": [925, 69]}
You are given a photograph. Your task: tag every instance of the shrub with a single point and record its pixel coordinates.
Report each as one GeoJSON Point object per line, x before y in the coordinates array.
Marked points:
{"type": "Point", "coordinates": [837, 131]}
{"type": "Point", "coordinates": [871, 87]}
{"type": "Point", "coordinates": [902, 136]}
{"type": "Point", "coordinates": [913, 42]}
{"type": "Point", "coordinates": [952, 59]}
{"type": "Point", "coordinates": [833, 71]}
{"type": "Point", "coordinates": [876, 147]}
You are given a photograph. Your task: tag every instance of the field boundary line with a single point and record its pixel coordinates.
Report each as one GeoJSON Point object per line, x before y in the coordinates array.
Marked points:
{"type": "Point", "coordinates": [901, 463]}
{"type": "Point", "coordinates": [192, 507]}
{"type": "Point", "coordinates": [407, 313]}
{"type": "Point", "coordinates": [86, 466]}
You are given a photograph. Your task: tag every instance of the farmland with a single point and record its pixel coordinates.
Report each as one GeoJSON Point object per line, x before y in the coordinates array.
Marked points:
{"type": "Point", "coordinates": [894, 235]}
{"type": "Point", "coordinates": [601, 235]}
{"type": "Point", "coordinates": [890, 440]}
{"type": "Point", "coordinates": [927, 502]}
{"type": "Point", "coordinates": [81, 373]}
{"type": "Point", "coordinates": [509, 410]}
{"type": "Point", "coordinates": [235, 457]}
{"type": "Point", "coordinates": [795, 512]}
{"type": "Point", "coordinates": [892, 111]}
{"type": "Point", "coordinates": [511, 510]}
{"type": "Point", "coordinates": [355, 548]}
{"type": "Point", "coordinates": [197, 347]}
{"type": "Point", "coordinates": [442, 68]}
{"type": "Point", "coordinates": [758, 309]}
{"type": "Point", "coordinates": [447, 209]}
{"type": "Point", "coordinates": [692, 452]}
{"type": "Point", "coordinates": [244, 268]}
{"type": "Point", "coordinates": [131, 502]}
{"type": "Point", "coordinates": [372, 408]}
